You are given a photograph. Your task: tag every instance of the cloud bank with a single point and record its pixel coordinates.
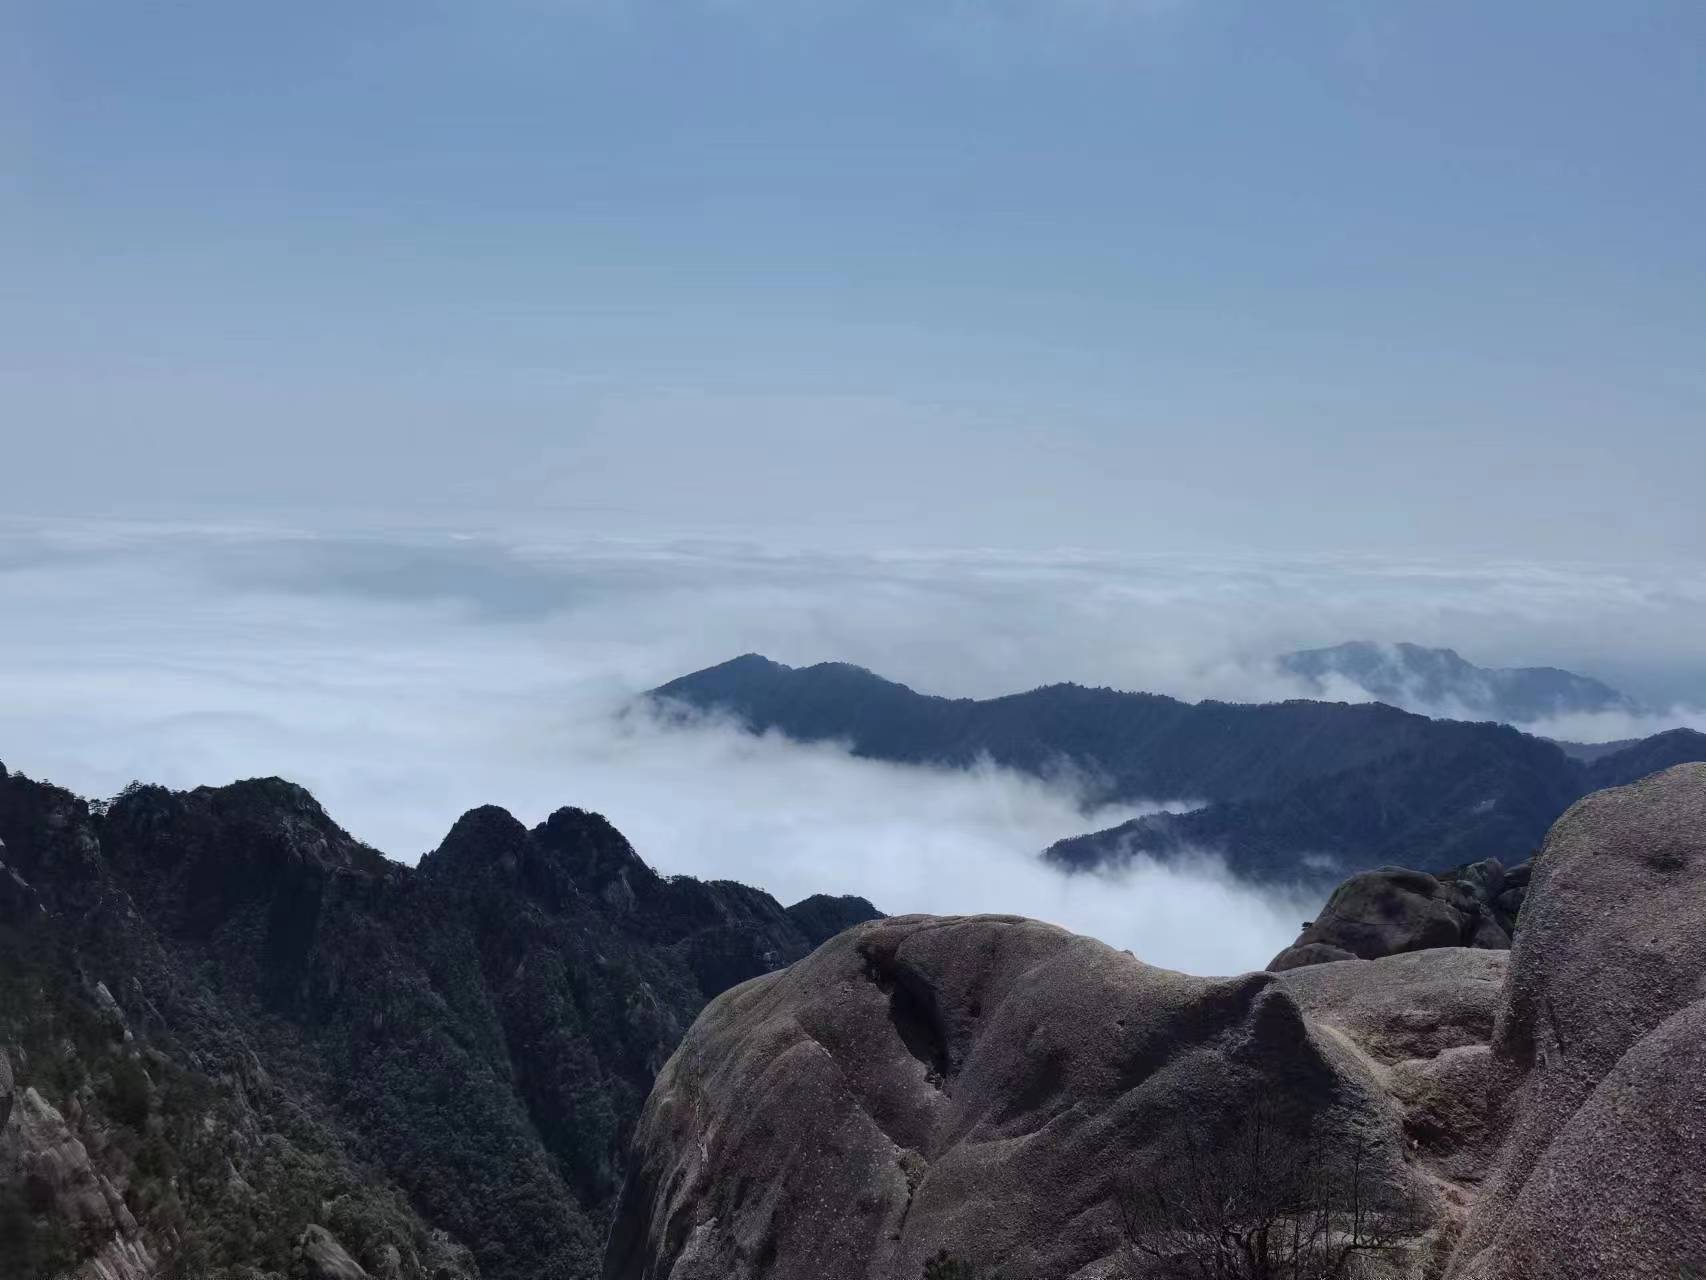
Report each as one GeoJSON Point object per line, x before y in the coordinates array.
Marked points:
{"type": "Point", "coordinates": [407, 676]}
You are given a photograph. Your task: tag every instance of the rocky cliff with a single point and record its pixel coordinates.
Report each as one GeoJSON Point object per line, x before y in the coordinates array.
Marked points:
{"type": "Point", "coordinates": [234, 1041]}
{"type": "Point", "coordinates": [980, 1095]}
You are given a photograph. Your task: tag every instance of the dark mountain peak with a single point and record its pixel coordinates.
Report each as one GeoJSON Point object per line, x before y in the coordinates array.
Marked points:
{"type": "Point", "coordinates": [1062, 689]}
{"type": "Point", "coordinates": [571, 826]}
{"type": "Point", "coordinates": [752, 674]}
{"type": "Point", "coordinates": [594, 856]}
{"type": "Point", "coordinates": [751, 662]}
{"type": "Point", "coordinates": [736, 672]}
{"type": "Point", "coordinates": [848, 671]}
{"type": "Point", "coordinates": [277, 794]}
{"type": "Point", "coordinates": [573, 854]}
{"type": "Point", "coordinates": [48, 830]}
{"type": "Point", "coordinates": [822, 916]}
{"type": "Point", "coordinates": [206, 849]}
{"type": "Point", "coordinates": [488, 838]}
{"type": "Point", "coordinates": [1647, 756]}
{"type": "Point", "coordinates": [1689, 739]}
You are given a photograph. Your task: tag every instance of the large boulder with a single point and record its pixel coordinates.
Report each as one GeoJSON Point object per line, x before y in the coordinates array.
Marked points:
{"type": "Point", "coordinates": [1601, 1046]}
{"type": "Point", "coordinates": [1394, 910]}
{"type": "Point", "coordinates": [980, 1085]}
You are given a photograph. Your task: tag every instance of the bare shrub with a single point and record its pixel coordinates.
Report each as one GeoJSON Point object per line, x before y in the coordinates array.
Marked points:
{"type": "Point", "coordinates": [1265, 1202]}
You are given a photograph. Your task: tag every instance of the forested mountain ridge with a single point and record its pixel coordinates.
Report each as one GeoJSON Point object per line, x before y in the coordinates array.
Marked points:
{"type": "Point", "coordinates": [238, 1040]}
{"type": "Point", "coordinates": [1284, 787]}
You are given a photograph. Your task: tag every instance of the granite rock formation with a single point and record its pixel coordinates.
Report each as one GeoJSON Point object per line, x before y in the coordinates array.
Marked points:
{"type": "Point", "coordinates": [979, 1085]}
{"type": "Point", "coordinates": [1600, 1044]}
{"type": "Point", "coordinates": [971, 1089]}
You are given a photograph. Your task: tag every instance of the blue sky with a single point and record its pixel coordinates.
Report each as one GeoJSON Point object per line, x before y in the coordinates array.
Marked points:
{"type": "Point", "coordinates": [1403, 277]}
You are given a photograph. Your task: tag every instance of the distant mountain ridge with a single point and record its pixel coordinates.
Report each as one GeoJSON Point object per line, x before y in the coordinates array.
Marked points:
{"type": "Point", "coordinates": [1286, 787]}
{"type": "Point", "coordinates": [1442, 682]}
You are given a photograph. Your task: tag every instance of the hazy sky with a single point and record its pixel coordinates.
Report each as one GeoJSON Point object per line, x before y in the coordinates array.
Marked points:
{"type": "Point", "coordinates": [1418, 276]}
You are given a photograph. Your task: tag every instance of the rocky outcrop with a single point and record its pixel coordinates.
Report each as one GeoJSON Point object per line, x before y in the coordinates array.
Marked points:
{"type": "Point", "coordinates": [1601, 1047]}
{"type": "Point", "coordinates": [44, 1158]}
{"type": "Point", "coordinates": [1394, 910]}
{"type": "Point", "coordinates": [54, 1166]}
{"type": "Point", "coordinates": [323, 1258]}
{"type": "Point", "coordinates": [980, 1085]}
{"type": "Point", "coordinates": [974, 1087]}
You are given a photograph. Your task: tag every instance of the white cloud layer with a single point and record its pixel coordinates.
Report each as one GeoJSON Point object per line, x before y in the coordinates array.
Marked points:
{"type": "Point", "coordinates": [407, 677]}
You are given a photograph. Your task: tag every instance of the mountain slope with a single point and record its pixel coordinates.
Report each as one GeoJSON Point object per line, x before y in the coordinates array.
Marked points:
{"type": "Point", "coordinates": [414, 1060]}
{"type": "Point", "coordinates": [1441, 682]}
{"type": "Point", "coordinates": [1285, 786]}
{"type": "Point", "coordinates": [1126, 745]}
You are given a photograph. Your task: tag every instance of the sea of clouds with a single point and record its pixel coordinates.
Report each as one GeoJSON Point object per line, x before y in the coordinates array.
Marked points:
{"type": "Point", "coordinates": [407, 675]}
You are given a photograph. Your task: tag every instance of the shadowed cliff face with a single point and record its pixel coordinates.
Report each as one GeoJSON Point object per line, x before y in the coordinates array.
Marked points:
{"type": "Point", "coordinates": [409, 1061]}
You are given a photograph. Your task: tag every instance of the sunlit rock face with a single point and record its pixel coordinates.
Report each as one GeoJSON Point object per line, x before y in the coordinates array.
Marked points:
{"type": "Point", "coordinates": [1601, 1048]}
{"type": "Point", "coordinates": [980, 1085]}
{"type": "Point", "coordinates": [977, 1087]}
